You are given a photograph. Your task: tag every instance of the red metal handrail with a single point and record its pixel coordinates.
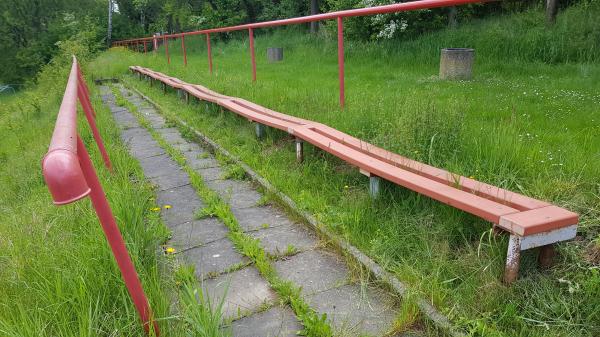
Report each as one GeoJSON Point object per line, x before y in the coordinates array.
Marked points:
{"type": "Point", "coordinates": [337, 15]}
{"type": "Point", "coordinates": [70, 176]}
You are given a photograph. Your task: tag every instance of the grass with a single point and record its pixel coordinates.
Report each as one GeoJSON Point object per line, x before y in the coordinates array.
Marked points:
{"type": "Point", "coordinates": [58, 276]}
{"type": "Point", "coordinates": [522, 124]}
{"type": "Point", "coordinates": [314, 325]}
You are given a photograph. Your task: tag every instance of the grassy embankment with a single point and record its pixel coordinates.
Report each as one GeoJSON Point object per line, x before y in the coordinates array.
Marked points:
{"type": "Point", "coordinates": [57, 273]}
{"type": "Point", "coordinates": [529, 122]}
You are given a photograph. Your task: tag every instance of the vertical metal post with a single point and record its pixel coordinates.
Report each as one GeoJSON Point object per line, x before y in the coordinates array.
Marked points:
{"type": "Point", "coordinates": [114, 238]}
{"type": "Point", "coordinates": [299, 150]}
{"type": "Point", "coordinates": [374, 186]}
{"type": "Point", "coordinates": [210, 66]}
{"type": "Point", "coordinates": [252, 56]}
{"type": "Point", "coordinates": [340, 25]}
{"type": "Point", "coordinates": [89, 115]}
{"type": "Point", "coordinates": [513, 259]}
{"type": "Point", "coordinates": [166, 42]}
{"type": "Point", "coordinates": [260, 130]}
{"type": "Point", "coordinates": [546, 256]}
{"type": "Point", "coordinates": [183, 49]}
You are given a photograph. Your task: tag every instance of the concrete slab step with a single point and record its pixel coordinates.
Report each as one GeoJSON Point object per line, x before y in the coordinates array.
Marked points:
{"type": "Point", "coordinates": [184, 204]}
{"type": "Point", "coordinates": [286, 239]}
{"type": "Point", "coordinates": [274, 322]}
{"type": "Point", "coordinates": [238, 194]}
{"type": "Point", "coordinates": [354, 310]}
{"type": "Point", "coordinates": [315, 271]}
{"type": "Point", "coordinates": [214, 258]}
{"type": "Point", "coordinates": [196, 233]}
{"type": "Point", "coordinates": [259, 217]}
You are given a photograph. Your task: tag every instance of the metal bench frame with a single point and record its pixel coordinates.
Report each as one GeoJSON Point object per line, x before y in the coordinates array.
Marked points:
{"type": "Point", "coordinates": [530, 222]}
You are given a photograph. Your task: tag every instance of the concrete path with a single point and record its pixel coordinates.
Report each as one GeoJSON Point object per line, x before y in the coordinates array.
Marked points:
{"type": "Point", "coordinates": [352, 309]}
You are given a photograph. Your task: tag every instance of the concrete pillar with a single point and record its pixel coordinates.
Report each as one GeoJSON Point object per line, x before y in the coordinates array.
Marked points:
{"type": "Point", "coordinates": [274, 54]}
{"type": "Point", "coordinates": [456, 63]}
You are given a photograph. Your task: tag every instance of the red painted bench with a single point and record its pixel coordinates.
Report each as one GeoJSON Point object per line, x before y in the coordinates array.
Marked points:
{"type": "Point", "coordinates": [530, 222]}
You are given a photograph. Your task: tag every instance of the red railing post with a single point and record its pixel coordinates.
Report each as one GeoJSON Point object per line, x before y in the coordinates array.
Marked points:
{"type": "Point", "coordinates": [145, 47]}
{"type": "Point", "coordinates": [210, 65]}
{"type": "Point", "coordinates": [183, 48]}
{"type": "Point", "coordinates": [166, 43]}
{"type": "Point", "coordinates": [340, 27]}
{"type": "Point", "coordinates": [86, 104]}
{"type": "Point", "coordinates": [115, 240]}
{"type": "Point", "coordinates": [252, 56]}
{"type": "Point", "coordinates": [70, 176]}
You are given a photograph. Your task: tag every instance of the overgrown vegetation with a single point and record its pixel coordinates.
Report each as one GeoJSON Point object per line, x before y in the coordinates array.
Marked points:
{"type": "Point", "coordinates": [315, 325]}
{"type": "Point", "coordinates": [522, 124]}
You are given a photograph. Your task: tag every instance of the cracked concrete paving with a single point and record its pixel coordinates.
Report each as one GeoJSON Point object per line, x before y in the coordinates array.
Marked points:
{"type": "Point", "coordinates": [352, 308]}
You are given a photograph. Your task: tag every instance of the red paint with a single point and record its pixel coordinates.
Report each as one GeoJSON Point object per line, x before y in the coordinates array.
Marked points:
{"type": "Point", "coordinates": [70, 176]}
{"type": "Point", "coordinates": [339, 15]}
{"type": "Point", "coordinates": [208, 51]}
{"type": "Point", "coordinates": [183, 49]}
{"type": "Point", "coordinates": [340, 27]}
{"type": "Point", "coordinates": [86, 104]}
{"type": "Point", "coordinates": [483, 200]}
{"type": "Point", "coordinates": [166, 42]}
{"type": "Point", "coordinates": [145, 47]}
{"type": "Point", "coordinates": [252, 56]}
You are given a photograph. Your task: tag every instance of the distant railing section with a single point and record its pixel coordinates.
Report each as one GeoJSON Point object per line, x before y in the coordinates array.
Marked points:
{"type": "Point", "coordinates": [71, 176]}
{"type": "Point", "coordinates": [338, 16]}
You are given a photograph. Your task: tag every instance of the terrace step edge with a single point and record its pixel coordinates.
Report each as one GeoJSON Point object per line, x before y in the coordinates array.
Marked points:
{"type": "Point", "coordinates": [429, 311]}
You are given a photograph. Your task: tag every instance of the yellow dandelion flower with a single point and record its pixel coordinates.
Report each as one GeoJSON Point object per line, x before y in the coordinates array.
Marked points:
{"type": "Point", "coordinates": [167, 206]}
{"type": "Point", "coordinates": [471, 177]}
{"type": "Point", "coordinates": [170, 250]}
{"type": "Point", "coordinates": [346, 187]}
{"type": "Point", "coordinates": [155, 209]}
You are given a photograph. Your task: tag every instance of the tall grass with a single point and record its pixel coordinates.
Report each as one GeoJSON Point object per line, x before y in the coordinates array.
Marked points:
{"type": "Point", "coordinates": [58, 276]}
{"type": "Point", "coordinates": [529, 121]}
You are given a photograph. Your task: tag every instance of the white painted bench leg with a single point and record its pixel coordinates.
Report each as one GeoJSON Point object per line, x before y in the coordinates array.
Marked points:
{"type": "Point", "coordinates": [299, 150]}
{"type": "Point", "coordinates": [374, 187]}
{"type": "Point", "coordinates": [513, 259]}
{"type": "Point", "coordinates": [260, 130]}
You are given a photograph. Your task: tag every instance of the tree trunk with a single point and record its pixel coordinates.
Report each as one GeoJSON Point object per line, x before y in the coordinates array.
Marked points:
{"type": "Point", "coordinates": [551, 10]}
{"type": "Point", "coordinates": [314, 9]}
{"type": "Point", "coordinates": [452, 14]}
{"type": "Point", "coordinates": [109, 33]}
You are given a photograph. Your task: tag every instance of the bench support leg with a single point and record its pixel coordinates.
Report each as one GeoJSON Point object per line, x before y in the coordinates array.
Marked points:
{"type": "Point", "coordinates": [260, 130]}
{"type": "Point", "coordinates": [187, 97]}
{"type": "Point", "coordinates": [513, 259]}
{"type": "Point", "coordinates": [374, 187]}
{"type": "Point", "coordinates": [546, 256]}
{"type": "Point", "coordinates": [151, 81]}
{"type": "Point", "coordinates": [299, 150]}
{"type": "Point", "coordinates": [164, 87]}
